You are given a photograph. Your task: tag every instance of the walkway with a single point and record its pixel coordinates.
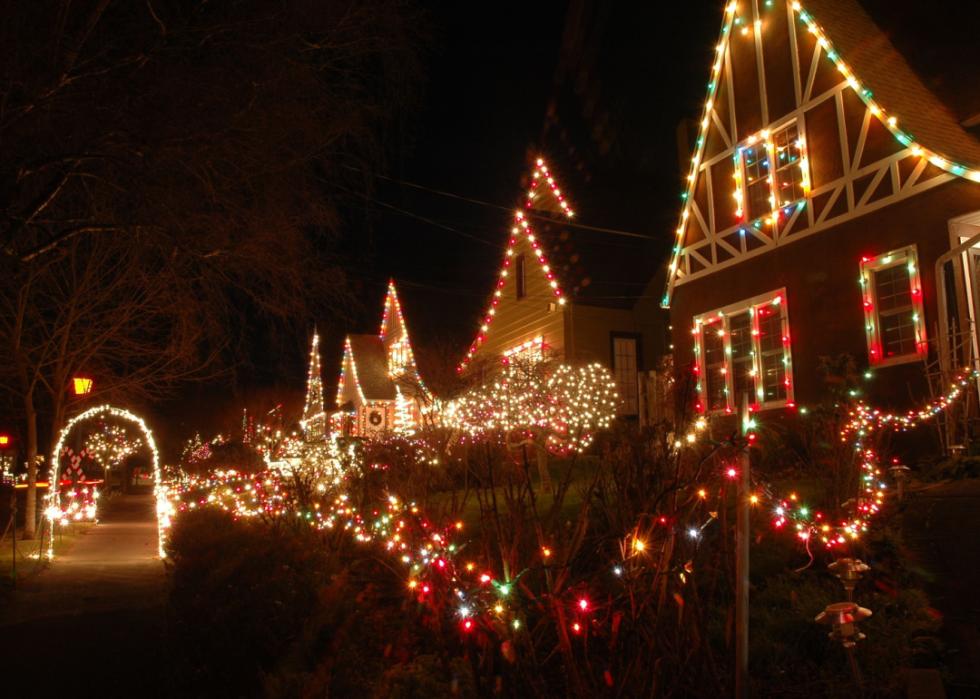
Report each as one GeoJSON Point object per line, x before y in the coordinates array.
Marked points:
{"type": "Point", "coordinates": [92, 623]}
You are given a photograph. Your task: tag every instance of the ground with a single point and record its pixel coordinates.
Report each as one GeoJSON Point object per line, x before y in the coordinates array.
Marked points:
{"type": "Point", "coordinates": [92, 622]}
{"type": "Point", "coordinates": [942, 529]}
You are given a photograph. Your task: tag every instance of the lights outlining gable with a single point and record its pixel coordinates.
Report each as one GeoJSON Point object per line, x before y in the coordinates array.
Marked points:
{"type": "Point", "coordinates": [890, 122]}
{"type": "Point", "coordinates": [540, 175]}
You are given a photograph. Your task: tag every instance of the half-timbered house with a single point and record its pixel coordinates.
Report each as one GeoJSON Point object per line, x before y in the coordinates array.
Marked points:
{"type": "Point", "coordinates": [831, 207]}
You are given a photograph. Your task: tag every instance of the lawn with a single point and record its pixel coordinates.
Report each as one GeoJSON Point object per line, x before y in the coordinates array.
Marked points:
{"type": "Point", "coordinates": [582, 471]}
{"type": "Point", "coordinates": [28, 560]}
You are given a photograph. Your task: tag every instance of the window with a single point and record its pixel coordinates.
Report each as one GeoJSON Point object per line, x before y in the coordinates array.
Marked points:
{"type": "Point", "coordinates": [526, 353]}
{"type": "Point", "coordinates": [758, 187]}
{"type": "Point", "coordinates": [519, 275]}
{"type": "Point", "coordinates": [399, 357]}
{"type": "Point", "coordinates": [789, 182]}
{"type": "Point", "coordinates": [744, 349]}
{"type": "Point", "coordinates": [893, 313]}
{"type": "Point", "coordinates": [773, 172]}
{"type": "Point", "coordinates": [624, 369]}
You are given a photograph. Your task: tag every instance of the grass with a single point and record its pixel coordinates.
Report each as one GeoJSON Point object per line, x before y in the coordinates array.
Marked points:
{"type": "Point", "coordinates": [582, 471]}
{"type": "Point", "coordinates": [28, 560]}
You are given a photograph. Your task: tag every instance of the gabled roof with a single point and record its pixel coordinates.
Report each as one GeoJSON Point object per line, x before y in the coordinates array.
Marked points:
{"type": "Point", "coordinates": [367, 352]}
{"type": "Point", "coordinates": [543, 184]}
{"type": "Point", "coordinates": [895, 85]}
{"type": "Point", "coordinates": [366, 359]}
{"type": "Point", "coordinates": [878, 74]}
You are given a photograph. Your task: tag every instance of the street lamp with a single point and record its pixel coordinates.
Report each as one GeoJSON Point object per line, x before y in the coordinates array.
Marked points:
{"type": "Point", "coordinates": [81, 385]}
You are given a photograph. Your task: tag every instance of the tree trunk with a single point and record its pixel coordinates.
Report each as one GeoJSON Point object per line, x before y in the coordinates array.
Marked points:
{"type": "Point", "coordinates": [30, 502]}
{"type": "Point", "coordinates": [543, 473]}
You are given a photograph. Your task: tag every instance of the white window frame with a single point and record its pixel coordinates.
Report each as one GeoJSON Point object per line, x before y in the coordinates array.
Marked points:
{"type": "Point", "coordinates": [705, 321]}
{"type": "Point", "coordinates": [765, 140]}
{"type": "Point", "coordinates": [624, 408]}
{"type": "Point", "coordinates": [869, 295]}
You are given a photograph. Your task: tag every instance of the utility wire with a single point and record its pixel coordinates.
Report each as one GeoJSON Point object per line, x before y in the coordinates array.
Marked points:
{"type": "Point", "coordinates": [509, 209]}
{"type": "Point", "coordinates": [419, 217]}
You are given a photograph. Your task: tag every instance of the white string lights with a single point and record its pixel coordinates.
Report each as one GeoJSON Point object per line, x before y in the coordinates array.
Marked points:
{"type": "Point", "coordinates": [54, 507]}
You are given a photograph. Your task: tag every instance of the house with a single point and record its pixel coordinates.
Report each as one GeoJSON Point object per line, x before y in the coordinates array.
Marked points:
{"type": "Point", "coordinates": [832, 207]}
{"type": "Point", "coordinates": [553, 300]}
{"type": "Point", "coordinates": [380, 390]}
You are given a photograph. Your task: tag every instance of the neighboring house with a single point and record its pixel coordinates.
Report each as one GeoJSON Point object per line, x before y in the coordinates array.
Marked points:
{"type": "Point", "coordinates": [380, 390]}
{"type": "Point", "coordinates": [828, 188]}
{"type": "Point", "coordinates": [547, 303]}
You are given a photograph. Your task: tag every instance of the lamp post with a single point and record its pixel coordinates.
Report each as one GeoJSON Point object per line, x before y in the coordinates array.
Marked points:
{"type": "Point", "coordinates": [6, 461]}
{"type": "Point", "coordinates": [843, 617]}
{"type": "Point", "coordinates": [742, 537]}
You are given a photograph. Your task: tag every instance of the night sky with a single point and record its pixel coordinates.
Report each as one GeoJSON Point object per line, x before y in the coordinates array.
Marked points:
{"type": "Point", "coordinates": [490, 73]}
{"type": "Point", "coordinates": [490, 79]}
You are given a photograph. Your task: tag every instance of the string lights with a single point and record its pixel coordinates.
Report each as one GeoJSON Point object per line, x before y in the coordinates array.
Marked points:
{"type": "Point", "coordinates": [54, 510]}
{"type": "Point", "coordinates": [541, 175]}
{"type": "Point", "coordinates": [566, 404]}
{"type": "Point", "coordinates": [863, 91]}
{"type": "Point", "coordinates": [314, 418]}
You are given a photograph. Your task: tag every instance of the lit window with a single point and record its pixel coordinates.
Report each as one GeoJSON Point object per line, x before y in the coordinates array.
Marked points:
{"type": "Point", "coordinates": [789, 182]}
{"type": "Point", "coordinates": [624, 369]}
{"type": "Point", "coordinates": [529, 352]}
{"type": "Point", "coordinates": [519, 276]}
{"type": "Point", "coordinates": [758, 186]}
{"type": "Point", "coordinates": [399, 357]}
{"type": "Point", "coordinates": [774, 171]}
{"type": "Point", "coordinates": [893, 312]}
{"type": "Point", "coordinates": [744, 350]}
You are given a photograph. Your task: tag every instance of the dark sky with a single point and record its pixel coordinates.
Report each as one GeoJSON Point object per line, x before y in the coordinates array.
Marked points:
{"type": "Point", "coordinates": [490, 72]}
{"type": "Point", "coordinates": [491, 76]}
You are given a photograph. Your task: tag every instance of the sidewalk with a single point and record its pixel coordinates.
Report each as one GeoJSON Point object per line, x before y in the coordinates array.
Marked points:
{"type": "Point", "coordinates": [92, 623]}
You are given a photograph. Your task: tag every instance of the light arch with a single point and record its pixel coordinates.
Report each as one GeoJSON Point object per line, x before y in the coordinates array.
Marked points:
{"type": "Point", "coordinates": [54, 495]}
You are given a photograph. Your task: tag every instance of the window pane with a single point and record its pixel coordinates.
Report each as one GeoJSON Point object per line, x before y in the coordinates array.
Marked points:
{"type": "Point", "coordinates": [741, 343]}
{"type": "Point", "coordinates": [897, 334]}
{"type": "Point", "coordinates": [773, 377]}
{"type": "Point", "coordinates": [714, 361]}
{"type": "Point", "coordinates": [789, 177]}
{"type": "Point", "coordinates": [772, 353]}
{"type": "Point", "coordinates": [893, 287]}
{"type": "Point", "coordinates": [624, 366]}
{"type": "Point", "coordinates": [770, 329]}
{"type": "Point", "coordinates": [756, 163]}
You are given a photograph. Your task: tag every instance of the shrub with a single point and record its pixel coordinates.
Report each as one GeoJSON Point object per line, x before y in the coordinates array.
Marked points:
{"type": "Point", "coordinates": [239, 596]}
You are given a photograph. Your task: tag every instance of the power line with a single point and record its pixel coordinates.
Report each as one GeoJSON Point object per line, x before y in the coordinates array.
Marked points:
{"type": "Point", "coordinates": [419, 217]}
{"type": "Point", "coordinates": [509, 209]}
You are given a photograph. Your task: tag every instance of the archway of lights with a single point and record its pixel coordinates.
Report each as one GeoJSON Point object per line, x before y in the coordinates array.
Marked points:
{"type": "Point", "coordinates": [54, 505]}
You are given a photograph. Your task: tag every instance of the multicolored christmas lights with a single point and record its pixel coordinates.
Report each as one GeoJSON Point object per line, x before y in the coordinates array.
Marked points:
{"type": "Point", "coordinates": [890, 121]}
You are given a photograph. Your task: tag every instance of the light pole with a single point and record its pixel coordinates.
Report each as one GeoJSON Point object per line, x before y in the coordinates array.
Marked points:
{"type": "Point", "coordinates": [742, 538]}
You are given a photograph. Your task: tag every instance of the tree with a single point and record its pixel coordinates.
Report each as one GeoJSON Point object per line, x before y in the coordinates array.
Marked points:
{"type": "Point", "coordinates": [109, 446]}
{"type": "Point", "coordinates": [550, 406]}
{"type": "Point", "coordinates": [169, 176]}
